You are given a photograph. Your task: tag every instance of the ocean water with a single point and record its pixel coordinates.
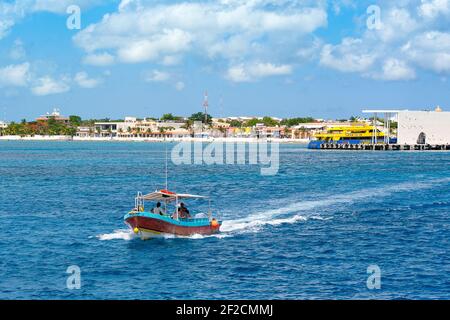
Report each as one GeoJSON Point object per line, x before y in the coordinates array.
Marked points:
{"type": "Point", "coordinates": [309, 232]}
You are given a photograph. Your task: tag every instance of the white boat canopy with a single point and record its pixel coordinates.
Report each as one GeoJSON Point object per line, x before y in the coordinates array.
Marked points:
{"type": "Point", "coordinates": [165, 195]}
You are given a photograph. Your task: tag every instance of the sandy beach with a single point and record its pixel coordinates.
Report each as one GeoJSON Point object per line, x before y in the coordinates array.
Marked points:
{"type": "Point", "coordinates": [116, 139]}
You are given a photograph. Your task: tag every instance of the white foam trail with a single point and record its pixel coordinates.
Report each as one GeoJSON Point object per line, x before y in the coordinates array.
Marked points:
{"type": "Point", "coordinates": [255, 221]}
{"type": "Point", "coordinates": [121, 234]}
{"type": "Point", "coordinates": [126, 234]}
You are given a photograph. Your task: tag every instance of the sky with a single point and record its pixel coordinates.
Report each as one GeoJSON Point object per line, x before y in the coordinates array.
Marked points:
{"type": "Point", "coordinates": [326, 59]}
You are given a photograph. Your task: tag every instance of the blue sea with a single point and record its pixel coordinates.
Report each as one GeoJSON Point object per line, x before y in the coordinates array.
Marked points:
{"type": "Point", "coordinates": [309, 232]}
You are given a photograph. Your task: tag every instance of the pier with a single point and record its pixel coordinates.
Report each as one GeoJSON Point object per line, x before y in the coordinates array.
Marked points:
{"type": "Point", "coordinates": [385, 147]}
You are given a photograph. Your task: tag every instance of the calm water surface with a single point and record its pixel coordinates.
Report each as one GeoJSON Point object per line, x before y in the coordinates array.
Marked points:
{"type": "Point", "coordinates": [309, 232]}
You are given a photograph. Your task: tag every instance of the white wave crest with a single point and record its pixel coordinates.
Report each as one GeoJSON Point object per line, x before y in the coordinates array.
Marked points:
{"type": "Point", "coordinates": [121, 234]}
{"type": "Point", "coordinates": [254, 222]}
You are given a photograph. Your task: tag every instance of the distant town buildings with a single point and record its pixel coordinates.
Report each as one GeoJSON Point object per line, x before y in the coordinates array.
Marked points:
{"type": "Point", "coordinates": [409, 127]}
{"type": "Point", "coordinates": [132, 127]}
{"type": "Point", "coordinates": [56, 115]}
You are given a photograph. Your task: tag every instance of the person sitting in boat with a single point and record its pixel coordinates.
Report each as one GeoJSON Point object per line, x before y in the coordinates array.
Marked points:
{"type": "Point", "coordinates": [183, 212]}
{"type": "Point", "coordinates": [158, 209]}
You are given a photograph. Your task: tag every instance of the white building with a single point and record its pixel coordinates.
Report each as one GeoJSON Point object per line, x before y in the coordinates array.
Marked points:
{"type": "Point", "coordinates": [424, 127]}
{"type": "Point", "coordinates": [133, 127]}
{"type": "Point", "coordinates": [3, 125]}
{"type": "Point", "coordinates": [417, 127]}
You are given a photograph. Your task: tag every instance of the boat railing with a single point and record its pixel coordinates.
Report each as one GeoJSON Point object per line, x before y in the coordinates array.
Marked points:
{"type": "Point", "coordinates": [194, 219]}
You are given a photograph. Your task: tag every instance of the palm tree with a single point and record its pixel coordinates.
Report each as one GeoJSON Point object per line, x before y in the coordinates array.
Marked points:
{"type": "Point", "coordinates": [223, 131]}
{"type": "Point", "coordinates": [138, 131]}
{"type": "Point", "coordinates": [189, 126]}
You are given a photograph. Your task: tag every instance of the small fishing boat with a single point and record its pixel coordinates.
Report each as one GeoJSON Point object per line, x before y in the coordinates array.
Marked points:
{"type": "Point", "coordinates": [169, 216]}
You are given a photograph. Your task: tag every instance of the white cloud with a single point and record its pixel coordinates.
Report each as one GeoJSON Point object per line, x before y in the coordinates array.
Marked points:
{"type": "Point", "coordinates": [407, 34]}
{"type": "Point", "coordinates": [157, 76]}
{"type": "Point", "coordinates": [430, 50]}
{"type": "Point", "coordinates": [129, 5]}
{"type": "Point", "coordinates": [99, 59]}
{"type": "Point", "coordinates": [169, 41]}
{"type": "Point", "coordinates": [433, 8]}
{"type": "Point", "coordinates": [171, 60]}
{"type": "Point", "coordinates": [395, 70]}
{"type": "Point", "coordinates": [10, 12]}
{"type": "Point", "coordinates": [179, 85]}
{"type": "Point", "coordinates": [60, 6]}
{"type": "Point", "coordinates": [349, 56]}
{"type": "Point", "coordinates": [397, 23]}
{"type": "Point", "coordinates": [17, 51]}
{"type": "Point", "coordinates": [255, 71]}
{"type": "Point", "coordinates": [226, 29]}
{"type": "Point", "coordinates": [47, 85]}
{"type": "Point", "coordinates": [83, 80]}
{"type": "Point", "coordinates": [15, 75]}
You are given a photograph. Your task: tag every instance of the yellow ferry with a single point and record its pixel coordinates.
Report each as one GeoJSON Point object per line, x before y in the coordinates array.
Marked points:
{"type": "Point", "coordinates": [355, 134]}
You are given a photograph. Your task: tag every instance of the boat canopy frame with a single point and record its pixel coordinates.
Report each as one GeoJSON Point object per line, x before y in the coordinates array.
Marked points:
{"type": "Point", "coordinates": [167, 197]}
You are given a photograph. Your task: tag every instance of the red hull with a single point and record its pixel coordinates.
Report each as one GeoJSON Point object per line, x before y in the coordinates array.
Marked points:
{"type": "Point", "coordinates": [159, 226]}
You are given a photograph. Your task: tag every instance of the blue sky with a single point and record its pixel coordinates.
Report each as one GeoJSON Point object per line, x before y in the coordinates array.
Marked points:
{"type": "Point", "coordinates": [258, 57]}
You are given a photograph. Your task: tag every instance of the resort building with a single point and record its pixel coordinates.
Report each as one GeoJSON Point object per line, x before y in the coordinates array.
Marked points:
{"type": "Point", "coordinates": [85, 132]}
{"type": "Point", "coordinates": [133, 127]}
{"type": "Point", "coordinates": [424, 127]}
{"type": "Point", "coordinates": [56, 115]}
{"type": "Point", "coordinates": [114, 129]}
{"type": "Point", "coordinates": [416, 127]}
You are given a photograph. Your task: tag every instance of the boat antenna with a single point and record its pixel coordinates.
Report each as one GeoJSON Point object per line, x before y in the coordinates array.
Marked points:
{"type": "Point", "coordinates": [167, 188]}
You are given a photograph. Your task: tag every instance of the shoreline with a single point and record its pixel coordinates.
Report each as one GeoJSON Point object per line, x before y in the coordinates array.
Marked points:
{"type": "Point", "coordinates": [184, 139]}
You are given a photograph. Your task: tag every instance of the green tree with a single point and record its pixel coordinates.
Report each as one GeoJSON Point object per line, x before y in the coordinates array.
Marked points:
{"type": "Point", "coordinates": [75, 121]}
{"type": "Point", "coordinates": [269, 122]}
{"type": "Point", "coordinates": [169, 117]}
{"type": "Point", "coordinates": [296, 121]}
{"type": "Point", "coordinates": [200, 116]}
{"type": "Point", "coordinates": [235, 123]}
{"type": "Point", "coordinates": [252, 122]}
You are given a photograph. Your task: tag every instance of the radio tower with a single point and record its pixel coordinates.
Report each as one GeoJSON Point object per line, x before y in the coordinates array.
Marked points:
{"type": "Point", "coordinates": [206, 105]}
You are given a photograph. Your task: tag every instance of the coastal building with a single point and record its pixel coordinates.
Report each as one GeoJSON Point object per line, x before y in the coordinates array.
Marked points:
{"type": "Point", "coordinates": [416, 127]}
{"type": "Point", "coordinates": [84, 132]}
{"type": "Point", "coordinates": [133, 127]}
{"type": "Point", "coordinates": [424, 127]}
{"type": "Point", "coordinates": [3, 125]}
{"type": "Point", "coordinates": [306, 130]}
{"type": "Point", "coordinates": [56, 115]}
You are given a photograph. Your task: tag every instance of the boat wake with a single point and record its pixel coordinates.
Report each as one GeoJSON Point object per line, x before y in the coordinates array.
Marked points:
{"type": "Point", "coordinates": [298, 211]}
{"type": "Point", "coordinates": [128, 234]}
{"type": "Point", "coordinates": [291, 213]}
{"type": "Point", "coordinates": [120, 234]}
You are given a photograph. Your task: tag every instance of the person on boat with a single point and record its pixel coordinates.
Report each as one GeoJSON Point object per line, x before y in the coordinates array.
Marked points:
{"type": "Point", "coordinates": [183, 212]}
{"type": "Point", "coordinates": [158, 209]}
